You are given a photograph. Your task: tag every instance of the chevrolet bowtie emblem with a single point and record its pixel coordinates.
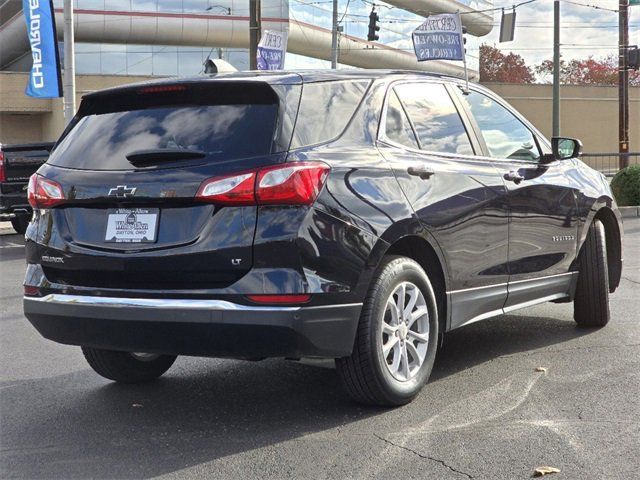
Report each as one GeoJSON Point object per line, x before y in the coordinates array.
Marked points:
{"type": "Point", "coordinates": [122, 191]}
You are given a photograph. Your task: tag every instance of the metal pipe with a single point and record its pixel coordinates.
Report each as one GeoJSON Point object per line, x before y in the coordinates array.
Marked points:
{"type": "Point", "coordinates": [623, 83]}
{"type": "Point", "coordinates": [255, 11]}
{"type": "Point", "coordinates": [556, 69]}
{"type": "Point", "coordinates": [69, 89]}
{"type": "Point", "coordinates": [334, 36]}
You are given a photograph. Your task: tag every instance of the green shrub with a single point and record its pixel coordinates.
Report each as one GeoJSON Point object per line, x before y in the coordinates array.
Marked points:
{"type": "Point", "coordinates": [626, 186]}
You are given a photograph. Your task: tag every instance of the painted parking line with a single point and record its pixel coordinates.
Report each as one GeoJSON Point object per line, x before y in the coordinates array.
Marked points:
{"type": "Point", "coordinates": [12, 245]}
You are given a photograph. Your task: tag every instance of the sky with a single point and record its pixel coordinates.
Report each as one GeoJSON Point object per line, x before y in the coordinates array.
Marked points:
{"type": "Point", "coordinates": [584, 30]}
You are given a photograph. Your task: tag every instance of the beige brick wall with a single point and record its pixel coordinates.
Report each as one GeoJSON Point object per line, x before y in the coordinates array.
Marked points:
{"type": "Point", "coordinates": [588, 113]}
{"type": "Point", "coordinates": [20, 128]}
{"type": "Point", "coordinates": [42, 120]}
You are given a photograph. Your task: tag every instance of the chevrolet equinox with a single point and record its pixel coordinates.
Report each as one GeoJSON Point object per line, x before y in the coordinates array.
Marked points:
{"type": "Point", "coordinates": [352, 215]}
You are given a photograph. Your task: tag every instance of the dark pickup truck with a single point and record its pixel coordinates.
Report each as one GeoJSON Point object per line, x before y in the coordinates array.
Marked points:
{"type": "Point", "coordinates": [17, 164]}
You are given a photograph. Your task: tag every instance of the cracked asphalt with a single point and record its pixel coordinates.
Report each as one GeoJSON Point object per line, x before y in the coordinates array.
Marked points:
{"type": "Point", "coordinates": [486, 413]}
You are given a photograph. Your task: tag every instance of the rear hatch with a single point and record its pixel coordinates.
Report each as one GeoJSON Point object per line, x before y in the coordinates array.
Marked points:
{"type": "Point", "coordinates": [130, 168]}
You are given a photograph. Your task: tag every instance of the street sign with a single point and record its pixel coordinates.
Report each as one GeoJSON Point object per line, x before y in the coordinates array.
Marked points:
{"type": "Point", "coordinates": [508, 26]}
{"type": "Point", "coordinates": [439, 38]}
{"type": "Point", "coordinates": [271, 50]}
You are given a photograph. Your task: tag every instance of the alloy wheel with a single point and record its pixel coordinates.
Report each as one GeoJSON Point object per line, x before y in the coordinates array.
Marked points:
{"type": "Point", "coordinates": [404, 337]}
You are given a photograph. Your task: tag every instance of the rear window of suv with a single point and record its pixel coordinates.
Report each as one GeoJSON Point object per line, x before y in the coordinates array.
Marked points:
{"type": "Point", "coordinates": [224, 127]}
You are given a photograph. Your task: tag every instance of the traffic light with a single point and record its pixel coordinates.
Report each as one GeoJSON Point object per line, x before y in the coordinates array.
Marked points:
{"type": "Point", "coordinates": [373, 26]}
{"type": "Point", "coordinates": [633, 59]}
{"type": "Point", "coordinates": [464, 39]}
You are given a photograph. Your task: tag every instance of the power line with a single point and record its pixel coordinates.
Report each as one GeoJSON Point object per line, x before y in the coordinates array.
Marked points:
{"type": "Point", "coordinates": [589, 6]}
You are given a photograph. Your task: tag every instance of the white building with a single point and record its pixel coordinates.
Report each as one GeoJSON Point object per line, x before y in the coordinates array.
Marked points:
{"type": "Point", "coordinates": [122, 41]}
{"type": "Point", "coordinates": [174, 37]}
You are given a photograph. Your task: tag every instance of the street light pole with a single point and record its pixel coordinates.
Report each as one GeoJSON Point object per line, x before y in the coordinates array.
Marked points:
{"type": "Point", "coordinates": [623, 83]}
{"type": "Point", "coordinates": [255, 10]}
{"type": "Point", "coordinates": [334, 37]}
{"type": "Point", "coordinates": [556, 68]}
{"type": "Point", "coordinates": [69, 90]}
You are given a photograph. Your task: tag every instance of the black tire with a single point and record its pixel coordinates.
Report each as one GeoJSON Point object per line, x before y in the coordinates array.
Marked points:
{"type": "Point", "coordinates": [20, 223]}
{"type": "Point", "coordinates": [364, 374]}
{"type": "Point", "coordinates": [591, 302]}
{"type": "Point", "coordinates": [124, 367]}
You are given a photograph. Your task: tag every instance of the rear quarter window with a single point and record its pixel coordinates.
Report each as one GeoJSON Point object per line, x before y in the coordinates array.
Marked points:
{"type": "Point", "coordinates": [325, 110]}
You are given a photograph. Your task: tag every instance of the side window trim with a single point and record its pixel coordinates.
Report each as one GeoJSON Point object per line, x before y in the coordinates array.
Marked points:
{"type": "Point", "coordinates": [406, 114]}
{"type": "Point", "coordinates": [469, 121]}
{"type": "Point", "coordinates": [382, 124]}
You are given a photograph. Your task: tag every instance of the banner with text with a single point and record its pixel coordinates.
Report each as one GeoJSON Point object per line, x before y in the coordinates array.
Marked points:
{"type": "Point", "coordinates": [44, 79]}
{"type": "Point", "coordinates": [271, 50]}
{"type": "Point", "coordinates": [439, 38]}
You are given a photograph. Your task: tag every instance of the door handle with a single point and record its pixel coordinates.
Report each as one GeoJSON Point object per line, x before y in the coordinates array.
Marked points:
{"type": "Point", "coordinates": [514, 177]}
{"type": "Point", "coordinates": [423, 172]}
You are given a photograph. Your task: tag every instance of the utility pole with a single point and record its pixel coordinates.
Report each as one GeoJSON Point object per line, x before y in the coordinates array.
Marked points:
{"type": "Point", "coordinates": [255, 28]}
{"type": "Point", "coordinates": [69, 89]}
{"type": "Point", "coordinates": [334, 36]}
{"type": "Point", "coordinates": [623, 83]}
{"type": "Point", "coordinates": [556, 68]}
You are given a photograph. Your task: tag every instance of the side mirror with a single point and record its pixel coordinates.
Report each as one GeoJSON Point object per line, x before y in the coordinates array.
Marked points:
{"type": "Point", "coordinates": [565, 148]}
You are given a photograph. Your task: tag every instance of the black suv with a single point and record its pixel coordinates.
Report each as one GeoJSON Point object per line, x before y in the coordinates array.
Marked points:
{"type": "Point", "coordinates": [354, 215]}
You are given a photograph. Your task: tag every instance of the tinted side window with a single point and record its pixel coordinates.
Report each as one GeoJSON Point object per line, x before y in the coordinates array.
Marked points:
{"type": "Point", "coordinates": [437, 122]}
{"type": "Point", "coordinates": [504, 134]}
{"type": "Point", "coordinates": [397, 126]}
{"type": "Point", "coordinates": [325, 110]}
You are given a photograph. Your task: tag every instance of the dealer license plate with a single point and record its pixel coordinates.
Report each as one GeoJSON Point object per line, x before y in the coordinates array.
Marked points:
{"type": "Point", "coordinates": [132, 225]}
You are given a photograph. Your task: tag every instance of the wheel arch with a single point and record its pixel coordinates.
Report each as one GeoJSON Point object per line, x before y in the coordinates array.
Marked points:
{"type": "Point", "coordinates": [428, 255]}
{"type": "Point", "coordinates": [613, 235]}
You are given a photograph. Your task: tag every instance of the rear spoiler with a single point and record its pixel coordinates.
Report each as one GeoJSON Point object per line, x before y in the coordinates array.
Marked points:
{"type": "Point", "coordinates": [236, 92]}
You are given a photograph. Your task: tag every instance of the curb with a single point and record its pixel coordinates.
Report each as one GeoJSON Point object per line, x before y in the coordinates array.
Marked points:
{"type": "Point", "coordinates": [630, 212]}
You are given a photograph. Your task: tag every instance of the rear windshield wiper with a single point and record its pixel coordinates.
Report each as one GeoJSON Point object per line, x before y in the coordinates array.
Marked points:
{"type": "Point", "coordinates": [161, 154]}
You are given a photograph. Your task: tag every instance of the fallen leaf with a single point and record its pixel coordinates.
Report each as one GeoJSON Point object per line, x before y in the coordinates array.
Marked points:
{"type": "Point", "coordinates": [541, 369]}
{"type": "Point", "coordinates": [541, 471]}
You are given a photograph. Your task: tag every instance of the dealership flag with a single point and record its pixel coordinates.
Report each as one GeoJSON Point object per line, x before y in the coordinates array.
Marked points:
{"type": "Point", "coordinates": [44, 80]}
{"type": "Point", "coordinates": [439, 38]}
{"type": "Point", "coordinates": [271, 50]}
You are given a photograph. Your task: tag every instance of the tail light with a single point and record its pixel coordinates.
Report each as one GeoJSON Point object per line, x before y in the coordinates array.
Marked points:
{"type": "Point", "coordinates": [233, 190]}
{"type": "Point", "coordinates": [31, 291]}
{"type": "Point", "coordinates": [288, 184]}
{"type": "Point", "coordinates": [3, 175]}
{"type": "Point", "coordinates": [44, 193]}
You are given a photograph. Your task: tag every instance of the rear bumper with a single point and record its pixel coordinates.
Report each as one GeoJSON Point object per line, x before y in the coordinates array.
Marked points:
{"type": "Point", "coordinates": [214, 328]}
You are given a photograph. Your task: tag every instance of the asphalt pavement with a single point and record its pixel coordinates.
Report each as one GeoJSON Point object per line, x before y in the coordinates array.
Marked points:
{"type": "Point", "coordinates": [487, 413]}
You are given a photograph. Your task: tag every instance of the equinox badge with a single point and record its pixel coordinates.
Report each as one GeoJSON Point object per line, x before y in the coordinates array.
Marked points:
{"type": "Point", "coordinates": [122, 191]}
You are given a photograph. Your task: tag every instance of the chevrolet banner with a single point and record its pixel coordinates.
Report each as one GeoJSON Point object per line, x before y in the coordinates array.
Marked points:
{"type": "Point", "coordinates": [44, 80]}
